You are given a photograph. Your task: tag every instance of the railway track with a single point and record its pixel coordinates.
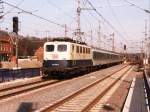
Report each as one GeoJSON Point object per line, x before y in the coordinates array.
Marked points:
{"type": "Point", "coordinates": [85, 98]}
{"type": "Point", "coordinates": [22, 88]}
{"type": "Point", "coordinates": [16, 90]}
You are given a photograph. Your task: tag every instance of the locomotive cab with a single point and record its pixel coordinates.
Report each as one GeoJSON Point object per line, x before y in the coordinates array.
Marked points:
{"type": "Point", "coordinates": [56, 54]}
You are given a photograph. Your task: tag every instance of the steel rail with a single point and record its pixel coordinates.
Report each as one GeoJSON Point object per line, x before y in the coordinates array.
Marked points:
{"type": "Point", "coordinates": [73, 95]}
{"type": "Point", "coordinates": [19, 86]}
{"type": "Point", "coordinates": [95, 101]}
{"type": "Point", "coordinates": [16, 91]}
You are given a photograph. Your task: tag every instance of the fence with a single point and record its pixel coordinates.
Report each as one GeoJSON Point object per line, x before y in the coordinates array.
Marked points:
{"type": "Point", "coordinates": [10, 74]}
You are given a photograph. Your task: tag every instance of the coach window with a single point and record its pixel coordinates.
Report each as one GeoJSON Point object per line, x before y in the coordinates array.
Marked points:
{"type": "Point", "coordinates": [88, 50]}
{"type": "Point", "coordinates": [77, 49]}
{"type": "Point", "coordinates": [83, 49]}
{"type": "Point", "coordinates": [72, 48]}
{"type": "Point", "coordinates": [80, 49]}
{"type": "Point", "coordinates": [49, 48]}
{"type": "Point", "coordinates": [62, 48]}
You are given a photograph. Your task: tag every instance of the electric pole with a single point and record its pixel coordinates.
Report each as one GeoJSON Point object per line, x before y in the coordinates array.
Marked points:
{"type": "Point", "coordinates": [47, 35]}
{"type": "Point", "coordinates": [91, 34]}
{"type": "Point", "coordinates": [145, 38]}
{"type": "Point", "coordinates": [78, 32]}
{"type": "Point", "coordinates": [149, 21]}
{"type": "Point", "coordinates": [145, 29]}
{"type": "Point", "coordinates": [99, 34]}
{"type": "Point", "coordinates": [142, 50]}
{"type": "Point", "coordinates": [1, 9]}
{"type": "Point", "coordinates": [113, 41]}
{"type": "Point", "coordinates": [148, 52]}
{"type": "Point", "coordinates": [66, 30]}
{"type": "Point", "coordinates": [78, 21]}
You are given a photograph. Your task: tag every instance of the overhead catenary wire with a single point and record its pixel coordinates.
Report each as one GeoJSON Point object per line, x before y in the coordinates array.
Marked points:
{"type": "Point", "coordinates": [95, 17]}
{"type": "Point", "coordinates": [60, 9]}
{"type": "Point", "coordinates": [53, 22]}
{"type": "Point", "coordinates": [30, 13]}
{"type": "Point", "coordinates": [133, 4]}
{"type": "Point", "coordinates": [99, 19]}
{"type": "Point", "coordinates": [106, 20]}
{"type": "Point", "coordinates": [26, 26]}
{"type": "Point", "coordinates": [9, 11]}
{"type": "Point", "coordinates": [65, 13]}
{"type": "Point", "coordinates": [40, 17]}
{"type": "Point", "coordinates": [115, 16]}
{"type": "Point", "coordinates": [84, 2]}
{"type": "Point", "coordinates": [91, 14]}
{"type": "Point", "coordinates": [86, 18]}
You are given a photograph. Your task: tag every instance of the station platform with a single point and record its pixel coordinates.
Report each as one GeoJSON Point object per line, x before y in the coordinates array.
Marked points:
{"type": "Point", "coordinates": [137, 97]}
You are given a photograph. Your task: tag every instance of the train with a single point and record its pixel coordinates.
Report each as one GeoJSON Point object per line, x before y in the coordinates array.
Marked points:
{"type": "Point", "coordinates": [66, 55]}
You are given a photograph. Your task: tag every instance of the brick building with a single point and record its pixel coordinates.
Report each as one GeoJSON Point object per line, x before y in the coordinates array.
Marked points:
{"type": "Point", "coordinates": [6, 46]}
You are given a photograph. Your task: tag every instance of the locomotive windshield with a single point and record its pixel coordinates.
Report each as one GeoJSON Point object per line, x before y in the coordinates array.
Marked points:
{"type": "Point", "coordinates": [62, 48]}
{"type": "Point", "coordinates": [49, 48]}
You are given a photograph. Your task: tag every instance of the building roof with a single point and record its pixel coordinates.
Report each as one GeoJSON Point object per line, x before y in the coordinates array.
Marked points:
{"type": "Point", "coordinates": [4, 37]}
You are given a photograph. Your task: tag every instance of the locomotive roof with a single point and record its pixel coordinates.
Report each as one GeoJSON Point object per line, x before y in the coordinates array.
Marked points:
{"type": "Point", "coordinates": [67, 39]}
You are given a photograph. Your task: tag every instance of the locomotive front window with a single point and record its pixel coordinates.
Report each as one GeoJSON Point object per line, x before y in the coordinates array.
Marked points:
{"type": "Point", "coordinates": [49, 48]}
{"type": "Point", "coordinates": [62, 48]}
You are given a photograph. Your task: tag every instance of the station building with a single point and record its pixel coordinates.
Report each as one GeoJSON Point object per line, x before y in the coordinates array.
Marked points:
{"type": "Point", "coordinates": [6, 46]}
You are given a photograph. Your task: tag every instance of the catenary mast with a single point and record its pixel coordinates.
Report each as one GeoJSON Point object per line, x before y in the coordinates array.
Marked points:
{"type": "Point", "coordinates": [78, 32]}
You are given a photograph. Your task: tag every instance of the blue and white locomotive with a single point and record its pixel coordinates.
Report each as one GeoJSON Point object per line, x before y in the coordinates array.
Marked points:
{"type": "Point", "coordinates": [67, 55]}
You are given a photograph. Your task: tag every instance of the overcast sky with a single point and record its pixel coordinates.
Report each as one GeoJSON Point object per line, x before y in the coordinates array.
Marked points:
{"type": "Point", "coordinates": [127, 20]}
